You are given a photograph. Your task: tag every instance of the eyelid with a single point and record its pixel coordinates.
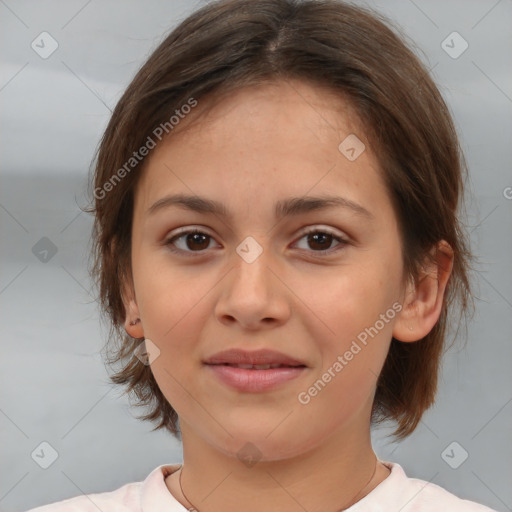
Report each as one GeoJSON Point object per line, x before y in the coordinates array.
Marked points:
{"type": "Point", "coordinates": [186, 230]}
{"type": "Point", "coordinates": [322, 229]}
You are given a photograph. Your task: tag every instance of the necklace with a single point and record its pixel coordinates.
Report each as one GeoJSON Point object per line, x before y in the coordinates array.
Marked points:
{"type": "Point", "coordinates": [352, 501]}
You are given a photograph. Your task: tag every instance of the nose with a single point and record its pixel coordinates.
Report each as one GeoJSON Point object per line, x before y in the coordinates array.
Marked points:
{"type": "Point", "coordinates": [253, 295]}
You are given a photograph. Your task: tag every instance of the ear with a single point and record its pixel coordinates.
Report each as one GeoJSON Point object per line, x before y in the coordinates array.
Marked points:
{"type": "Point", "coordinates": [132, 321]}
{"type": "Point", "coordinates": [424, 299]}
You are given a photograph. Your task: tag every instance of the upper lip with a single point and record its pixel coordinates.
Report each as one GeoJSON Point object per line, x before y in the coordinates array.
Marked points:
{"type": "Point", "coordinates": [255, 357]}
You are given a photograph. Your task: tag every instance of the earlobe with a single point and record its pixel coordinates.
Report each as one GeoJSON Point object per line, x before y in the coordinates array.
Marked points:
{"type": "Point", "coordinates": [132, 321]}
{"type": "Point", "coordinates": [424, 299]}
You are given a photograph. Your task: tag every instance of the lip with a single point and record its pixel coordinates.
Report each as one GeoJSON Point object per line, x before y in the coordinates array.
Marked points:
{"type": "Point", "coordinates": [255, 381]}
{"type": "Point", "coordinates": [254, 357]}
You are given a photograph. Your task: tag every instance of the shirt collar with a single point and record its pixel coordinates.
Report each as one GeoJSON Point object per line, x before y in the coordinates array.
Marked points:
{"type": "Point", "coordinates": [155, 496]}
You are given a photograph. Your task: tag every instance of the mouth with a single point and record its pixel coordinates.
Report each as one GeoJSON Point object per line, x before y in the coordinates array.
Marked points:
{"type": "Point", "coordinates": [258, 366]}
{"type": "Point", "coordinates": [255, 378]}
{"type": "Point", "coordinates": [254, 371]}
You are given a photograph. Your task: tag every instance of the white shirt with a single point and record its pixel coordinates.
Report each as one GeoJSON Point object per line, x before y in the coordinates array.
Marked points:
{"type": "Point", "coordinates": [397, 493]}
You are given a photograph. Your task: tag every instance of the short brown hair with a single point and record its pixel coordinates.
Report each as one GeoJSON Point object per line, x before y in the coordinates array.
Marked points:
{"type": "Point", "coordinates": [229, 44]}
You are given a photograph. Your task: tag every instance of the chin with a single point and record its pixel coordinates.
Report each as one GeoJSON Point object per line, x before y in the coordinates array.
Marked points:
{"type": "Point", "coordinates": [255, 445]}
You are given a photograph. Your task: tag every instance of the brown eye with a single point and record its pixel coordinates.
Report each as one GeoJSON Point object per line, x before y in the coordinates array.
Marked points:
{"type": "Point", "coordinates": [319, 241]}
{"type": "Point", "coordinates": [189, 241]}
{"type": "Point", "coordinates": [197, 241]}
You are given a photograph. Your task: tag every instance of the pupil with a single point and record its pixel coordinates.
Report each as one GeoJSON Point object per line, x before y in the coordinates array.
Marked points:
{"type": "Point", "coordinates": [320, 238]}
{"type": "Point", "coordinates": [196, 240]}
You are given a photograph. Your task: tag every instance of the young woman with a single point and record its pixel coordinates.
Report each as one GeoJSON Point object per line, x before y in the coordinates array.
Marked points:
{"type": "Point", "coordinates": [276, 201]}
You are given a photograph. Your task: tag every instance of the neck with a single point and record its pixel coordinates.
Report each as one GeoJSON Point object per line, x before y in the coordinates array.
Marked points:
{"type": "Point", "coordinates": [330, 477]}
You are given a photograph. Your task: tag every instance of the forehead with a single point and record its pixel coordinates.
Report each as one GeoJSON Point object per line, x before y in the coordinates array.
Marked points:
{"type": "Point", "coordinates": [280, 137]}
{"type": "Point", "coordinates": [288, 102]}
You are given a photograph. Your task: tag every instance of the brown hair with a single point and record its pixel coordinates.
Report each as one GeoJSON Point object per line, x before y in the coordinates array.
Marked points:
{"type": "Point", "coordinates": [229, 44]}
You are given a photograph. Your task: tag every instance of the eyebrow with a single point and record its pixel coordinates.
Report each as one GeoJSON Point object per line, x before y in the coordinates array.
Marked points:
{"type": "Point", "coordinates": [285, 207]}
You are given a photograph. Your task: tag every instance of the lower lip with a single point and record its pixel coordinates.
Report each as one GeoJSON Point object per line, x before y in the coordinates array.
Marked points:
{"type": "Point", "coordinates": [254, 381]}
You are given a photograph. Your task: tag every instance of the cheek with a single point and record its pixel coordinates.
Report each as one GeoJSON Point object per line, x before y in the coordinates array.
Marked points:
{"type": "Point", "coordinates": [354, 299]}
{"type": "Point", "coordinates": [169, 296]}
{"type": "Point", "coordinates": [175, 306]}
{"type": "Point", "coordinates": [357, 308]}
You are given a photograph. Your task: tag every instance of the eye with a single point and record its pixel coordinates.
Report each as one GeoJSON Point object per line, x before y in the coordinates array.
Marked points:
{"type": "Point", "coordinates": [321, 240]}
{"type": "Point", "coordinates": [197, 241]}
{"type": "Point", "coordinates": [192, 240]}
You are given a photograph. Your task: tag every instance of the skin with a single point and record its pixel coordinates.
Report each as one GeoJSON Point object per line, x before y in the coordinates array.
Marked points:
{"type": "Point", "coordinates": [260, 145]}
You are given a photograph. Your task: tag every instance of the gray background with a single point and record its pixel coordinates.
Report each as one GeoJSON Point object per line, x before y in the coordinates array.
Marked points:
{"type": "Point", "coordinates": [54, 386]}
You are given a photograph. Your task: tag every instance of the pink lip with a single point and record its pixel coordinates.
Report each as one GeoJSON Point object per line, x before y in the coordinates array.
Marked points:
{"type": "Point", "coordinates": [254, 357]}
{"type": "Point", "coordinates": [252, 380]}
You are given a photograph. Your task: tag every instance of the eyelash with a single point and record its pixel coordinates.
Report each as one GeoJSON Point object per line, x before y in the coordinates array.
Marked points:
{"type": "Point", "coordinates": [169, 242]}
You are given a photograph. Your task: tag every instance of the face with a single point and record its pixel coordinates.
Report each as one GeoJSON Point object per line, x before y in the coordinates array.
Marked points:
{"type": "Point", "coordinates": [321, 282]}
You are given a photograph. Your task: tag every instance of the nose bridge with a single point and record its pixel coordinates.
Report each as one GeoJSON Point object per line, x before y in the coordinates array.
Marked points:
{"type": "Point", "coordinates": [251, 269]}
{"type": "Point", "coordinates": [252, 293]}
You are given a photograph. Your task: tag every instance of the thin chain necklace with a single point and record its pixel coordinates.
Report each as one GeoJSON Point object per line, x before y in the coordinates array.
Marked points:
{"type": "Point", "coordinates": [352, 501]}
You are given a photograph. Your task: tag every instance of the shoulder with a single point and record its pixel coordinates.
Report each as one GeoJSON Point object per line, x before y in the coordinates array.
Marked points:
{"type": "Point", "coordinates": [150, 494]}
{"type": "Point", "coordinates": [124, 499]}
{"type": "Point", "coordinates": [415, 495]}
{"type": "Point", "coordinates": [429, 496]}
